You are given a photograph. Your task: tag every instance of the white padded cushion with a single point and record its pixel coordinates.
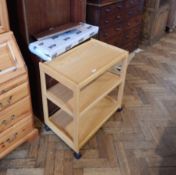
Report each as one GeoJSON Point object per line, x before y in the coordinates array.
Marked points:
{"type": "Point", "coordinates": [51, 47]}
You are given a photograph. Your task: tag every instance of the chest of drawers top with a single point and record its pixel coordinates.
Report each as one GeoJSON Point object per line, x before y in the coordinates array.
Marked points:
{"type": "Point", "coordinates": [120, 3]}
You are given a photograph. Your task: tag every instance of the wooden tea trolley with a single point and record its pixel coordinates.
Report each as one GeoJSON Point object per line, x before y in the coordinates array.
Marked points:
{"type": "Point", "coordinates": [87, 92]}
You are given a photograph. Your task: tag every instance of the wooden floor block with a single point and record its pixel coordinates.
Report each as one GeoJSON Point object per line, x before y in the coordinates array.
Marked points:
{"type": "Point", "coordinates": [26, 171]}
{"type": "Point", "coordinates": [102, 171]}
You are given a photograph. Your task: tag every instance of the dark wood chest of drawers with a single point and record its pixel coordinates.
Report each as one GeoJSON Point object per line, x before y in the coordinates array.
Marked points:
{"type": "Point", "coordinates": [120, 21]}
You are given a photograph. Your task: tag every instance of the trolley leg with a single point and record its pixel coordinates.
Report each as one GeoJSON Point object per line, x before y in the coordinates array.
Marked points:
{"type": "Point", "coordinates": [77, 155]}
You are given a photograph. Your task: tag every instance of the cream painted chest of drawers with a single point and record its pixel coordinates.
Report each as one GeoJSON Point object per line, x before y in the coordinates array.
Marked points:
{"type": "Point", "coordinates": [16, 118]}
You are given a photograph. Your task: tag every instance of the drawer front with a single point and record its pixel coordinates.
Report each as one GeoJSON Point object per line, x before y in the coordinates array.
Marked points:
{"type": "Point", "coordinates": [13, 95]}
{"type": "Point", "coordinates": [109, 22]}
{"type": "Point", "coordinates": [9, 85]}
{"type": "Point", "coordinates": [15, 133]}
{"type": "Point", "coordinates": [131, 45]}
{"type": "Point", "coordinates": [14, 113]}
{"type": "Point", "coordinates": [114, 40]}
{"type": "Point", "coordinates": [132, 33]}
{"type": "Point", "coordinates": [114, 31]}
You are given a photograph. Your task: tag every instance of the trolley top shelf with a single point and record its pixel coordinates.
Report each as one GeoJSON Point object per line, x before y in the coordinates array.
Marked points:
{"type": "Point", "coordinates": [83, 64]}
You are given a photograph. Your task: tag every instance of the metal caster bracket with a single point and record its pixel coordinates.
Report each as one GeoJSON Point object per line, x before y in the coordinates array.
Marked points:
{"type": "Point", "coordinates": [120, 109]}
{"type": "Point", "coordinates": [47, 128]}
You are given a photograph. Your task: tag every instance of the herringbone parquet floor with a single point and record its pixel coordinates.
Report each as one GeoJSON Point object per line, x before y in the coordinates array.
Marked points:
{"type": "Point", "coordinates": [139, 141]}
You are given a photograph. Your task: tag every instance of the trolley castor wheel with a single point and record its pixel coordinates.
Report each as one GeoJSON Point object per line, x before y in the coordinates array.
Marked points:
{"type": "Point", "coordinates": [47, 128]}
{"type": "Point", "coordinates": [120, 109]}
{"type": "Point", "coordinates": [77, 155]}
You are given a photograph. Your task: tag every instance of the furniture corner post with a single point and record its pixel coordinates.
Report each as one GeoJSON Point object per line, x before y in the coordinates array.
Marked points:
{"type": "Point", "coordinates": [122, 85]}
{"type": "Point", "coordinates": [76, 118]}
{"type": "Point", "coordinates": [44, 91]}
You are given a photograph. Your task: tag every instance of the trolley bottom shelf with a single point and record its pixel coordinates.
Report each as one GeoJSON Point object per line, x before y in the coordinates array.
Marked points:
{"type": "Point", "coordinates": [89, 123]}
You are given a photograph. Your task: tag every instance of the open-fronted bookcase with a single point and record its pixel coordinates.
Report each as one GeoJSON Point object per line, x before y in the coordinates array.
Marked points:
{"type": "Point", "coordinates": [30, 19]}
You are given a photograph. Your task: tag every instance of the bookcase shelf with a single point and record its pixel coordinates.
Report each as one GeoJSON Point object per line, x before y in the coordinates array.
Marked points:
{"type": "Point", "coordinates": [84, 90]}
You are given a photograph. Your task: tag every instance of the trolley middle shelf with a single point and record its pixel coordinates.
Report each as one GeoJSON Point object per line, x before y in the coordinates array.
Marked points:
{"type": "Point", "coordinates": [89, 95]}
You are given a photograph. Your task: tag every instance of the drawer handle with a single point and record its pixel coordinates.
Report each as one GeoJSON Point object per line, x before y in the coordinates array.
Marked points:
{"type": "Point", "coordinates": [130, 13]}
{"type": "Point", "coordinates": [106, 21]}
{"type": "Point", "coordinates": [136, 31]}
{"type": "Point", "coordinates": [13, 117]}
{"type": "Point", "coordinates": [10, 140]}
{"type": "Point", "coordinates": [128, 24]}
{"type": "Point", "coordinates": [118, 17]}
{"type": "Point", "coordinates": [108, 10]}
{"type": "Point", "coordinates": [119, 6]}
{"type": "Point", "coordinates": [2, 92]}
{"type": "Point", "coordinates": [2, 145]}
{"type": "Point", "coordinates": [4, 122]}
{"type": "Point", "coordinates": [118, 29]}
{"type": "Point", "coordinates": [9, 100]}
{"type": "Point", "coordinates": [105, 34]}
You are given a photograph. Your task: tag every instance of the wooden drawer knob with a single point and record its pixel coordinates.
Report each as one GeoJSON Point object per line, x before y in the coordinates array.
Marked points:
{"type": "Point", "coordinates": [132, 1]}
{"type": "Point", "coordinates": [4, 122]}
{"type": "Point", "coordinates": [105, 34]}
{"type": "Point", "coordinates": [118, 29]}
{"type": "Point", "coordinates": [2, 145]}
{"type": "Point", "coordinates": [9, 100]}
{"type": "Point", "coordinates": [130, 13]}
{"type": "Point", "coordinates": [106, 21]}
{"type": "Point", "coordinates": [2, 92]}
{"type": "Point", "coordinates": [13, 138]}
{"type": "Point", "coordinates": [128, 24]}
{"type": "Point", "coordinates": [13, 117]}
{"type": "Point", "coordinates": [108, 10]}
{"type": "Point", "coordinates": [118, 17]}
{"type": "Point", "coordinates": [119, 6]}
